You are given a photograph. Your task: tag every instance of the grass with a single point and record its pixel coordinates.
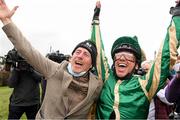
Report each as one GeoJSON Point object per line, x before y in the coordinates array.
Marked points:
{"type": "Point", "coordinates": [5, 93]}
{"type": "Point", "coordinates": [4, 101]}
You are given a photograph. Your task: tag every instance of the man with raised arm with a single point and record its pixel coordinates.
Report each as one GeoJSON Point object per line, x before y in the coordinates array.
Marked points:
{"type": "Point", "coordinates": [71, 87]}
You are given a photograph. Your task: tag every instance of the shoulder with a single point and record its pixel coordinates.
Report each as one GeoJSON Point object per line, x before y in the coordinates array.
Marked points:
{"type": "Point", "coordinates": [95, 79]}
{"type": "Point", "coordinates": [63, 65]}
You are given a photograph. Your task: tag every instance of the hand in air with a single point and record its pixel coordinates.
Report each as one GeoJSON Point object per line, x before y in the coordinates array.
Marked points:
{"type": "Point", "coordinates": [5, 12]}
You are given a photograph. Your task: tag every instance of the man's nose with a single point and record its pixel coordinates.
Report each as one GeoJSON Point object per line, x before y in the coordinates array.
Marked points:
{"type": "Point", "coordinates": [80, 55]}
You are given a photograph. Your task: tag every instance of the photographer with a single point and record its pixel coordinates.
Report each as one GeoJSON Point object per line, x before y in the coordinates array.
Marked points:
{"type": "Point", "coordinates": [25, 97]}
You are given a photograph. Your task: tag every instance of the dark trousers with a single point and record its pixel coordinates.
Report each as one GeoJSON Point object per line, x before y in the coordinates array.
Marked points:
{"type": "Point", "coordinates": [15, 112]}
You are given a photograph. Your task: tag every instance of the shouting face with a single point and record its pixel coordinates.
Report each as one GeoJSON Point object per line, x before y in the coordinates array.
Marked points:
{"type": "Point", "coordinates": [124, 63]}
{"type": "Point", "coordinates": [81, 60]}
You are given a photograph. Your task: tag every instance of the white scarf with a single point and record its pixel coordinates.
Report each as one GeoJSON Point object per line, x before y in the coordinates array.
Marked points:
{"type": "Point", "coordinates": [69, 69]}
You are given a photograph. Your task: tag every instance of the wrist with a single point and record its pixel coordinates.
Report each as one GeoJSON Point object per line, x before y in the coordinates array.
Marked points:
{"type": "Point", "coordinates": [6, 21]}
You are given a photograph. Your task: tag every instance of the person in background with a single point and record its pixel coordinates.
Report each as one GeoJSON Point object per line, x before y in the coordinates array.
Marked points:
{"type": "Point", "coordinates": [172, 91]}
{"type": "Point", "coordinates": [159, 107]}
{"type": "Point", "coordinates": [24, 80]}
{"type": "Point", "coordinates": [146, 65]}
{"type": "Point", "coordinates": [175, 67]}
{"type": "Point", "coordinates": [71, 87]}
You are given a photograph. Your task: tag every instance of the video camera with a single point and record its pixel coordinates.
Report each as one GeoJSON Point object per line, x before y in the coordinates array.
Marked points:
{"type": "Point", "coordinates": [57, 57]}
{"type": "Point", "coordinates": [17, 61]}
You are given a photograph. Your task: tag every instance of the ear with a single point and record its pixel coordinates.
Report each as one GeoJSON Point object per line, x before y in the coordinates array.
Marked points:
{"type": "Point", "coordinates": [91, 66]}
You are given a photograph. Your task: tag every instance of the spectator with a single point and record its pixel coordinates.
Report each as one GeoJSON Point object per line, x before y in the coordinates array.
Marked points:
{"type": "Point", "coordinates": [172, 92]}
{"type": "Point", "coordinates": [25, 97]}
{"type": "Point", "coordinates": [159, 107]}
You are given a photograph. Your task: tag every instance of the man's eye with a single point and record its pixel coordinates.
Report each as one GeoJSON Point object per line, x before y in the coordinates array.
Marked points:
{"type": "Point", "coordinates": [77, 52]}
{"type": "Point", "coordinates": [86, 54]}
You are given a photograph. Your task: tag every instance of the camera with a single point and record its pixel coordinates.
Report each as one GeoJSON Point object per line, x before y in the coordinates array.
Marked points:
{"type": "Point", "coordinates": [17, 61]}
{"type": "Point", "coordinates": [57, 57]}
{"type": "Point", "coordinates": [12, 57]}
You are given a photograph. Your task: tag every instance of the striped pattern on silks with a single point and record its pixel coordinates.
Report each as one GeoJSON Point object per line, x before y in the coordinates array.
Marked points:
{"type": "Point", "coordinates": [116, 100]}
{"type": "Point", "coordinates": [160, 69]}
{"type": "Point", "coordinates": [102, 67]}
{"type": "Point", "coordinates": [135, 94]}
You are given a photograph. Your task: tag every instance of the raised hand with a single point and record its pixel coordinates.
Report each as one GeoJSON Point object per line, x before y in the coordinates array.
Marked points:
{"type": "Point", "coordinates": [175, 11]}
{"type": "Point", "coordinates": [98, 4]}
{"type": "Point", "coordinates": [5, 12]}
{"type": "Point", "coordinates": [97, 10]}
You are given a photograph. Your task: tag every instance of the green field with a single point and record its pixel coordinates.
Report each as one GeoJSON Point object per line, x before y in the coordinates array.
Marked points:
{"type": "Point", "coordinates": [5, 93]}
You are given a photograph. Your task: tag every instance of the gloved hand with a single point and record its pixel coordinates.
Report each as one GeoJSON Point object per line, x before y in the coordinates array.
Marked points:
{"type": "Point", "coordinates": [97, 11]}
{"type": "Point", "coordinates": [175, 11]}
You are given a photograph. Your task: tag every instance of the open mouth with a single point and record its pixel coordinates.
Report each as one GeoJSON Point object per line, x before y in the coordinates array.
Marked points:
{"type": "Point", "coordinates": [122, 65]}
{"type": "Point", "coordinates": [78, 63]}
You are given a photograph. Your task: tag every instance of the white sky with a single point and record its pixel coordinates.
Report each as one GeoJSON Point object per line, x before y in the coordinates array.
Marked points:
{"type": "Point", "coordinates": [64, 23]}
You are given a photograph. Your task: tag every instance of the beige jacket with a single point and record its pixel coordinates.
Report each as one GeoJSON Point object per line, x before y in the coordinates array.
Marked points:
{"type": "Point", "coordinates": [55, 101]}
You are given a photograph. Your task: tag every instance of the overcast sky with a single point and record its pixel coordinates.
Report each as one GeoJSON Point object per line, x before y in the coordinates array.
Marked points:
{"type": "Point", "coordinates": [61, 24]}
